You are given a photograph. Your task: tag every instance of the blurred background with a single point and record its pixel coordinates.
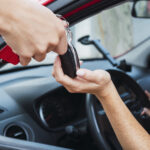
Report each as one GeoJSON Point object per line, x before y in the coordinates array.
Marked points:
{"type": "Point", "coordinates": [115, 27]}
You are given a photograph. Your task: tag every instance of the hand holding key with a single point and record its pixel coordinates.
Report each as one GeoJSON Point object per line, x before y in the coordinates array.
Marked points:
{"type": "Point", "coordinates": [31, 29]}
{"type": "Point", "coordinates": [70, 60]}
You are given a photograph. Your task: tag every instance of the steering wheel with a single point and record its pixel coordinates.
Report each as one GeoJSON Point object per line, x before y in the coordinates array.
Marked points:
{"type": "Point", "coordinates": [135, 99]}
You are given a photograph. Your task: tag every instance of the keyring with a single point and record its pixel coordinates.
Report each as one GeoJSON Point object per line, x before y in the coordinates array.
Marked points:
{"type": "Point", "coordinates": [68, 31]}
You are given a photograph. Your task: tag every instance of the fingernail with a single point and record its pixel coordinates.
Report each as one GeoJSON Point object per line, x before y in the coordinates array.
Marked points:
{"type": "Point", "coordinates": [80, 73]}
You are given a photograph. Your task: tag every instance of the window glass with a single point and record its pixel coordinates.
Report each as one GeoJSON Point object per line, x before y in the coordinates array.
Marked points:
{"type": "Point", "coordinates": [115, 27]}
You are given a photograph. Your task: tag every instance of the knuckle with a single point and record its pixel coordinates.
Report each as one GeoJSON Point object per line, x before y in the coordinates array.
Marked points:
{"type": "Point", "coordinates": [99, 76]}
{"type": "Point", "coordinates": [26, 55]}
{"type": "Point", "coordinates": [62, 31]}
{"type": "Point", "coordinates": [40, 59]}
{"type": "Point", "coordinates": [24, 62]}
{"type": "Point", "coordinates": [41, 49]}
{"type": "Point", "coordinates": [103, 76]}
{"type": "Point", "coordinates": [54, 42]}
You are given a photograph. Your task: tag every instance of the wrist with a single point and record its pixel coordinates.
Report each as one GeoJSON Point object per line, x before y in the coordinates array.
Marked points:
{"type": "Point", "coordinates": [107, 92]}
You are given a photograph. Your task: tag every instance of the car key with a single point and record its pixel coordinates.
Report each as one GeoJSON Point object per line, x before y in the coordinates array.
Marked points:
{"type": "Point", "coordinates": [70, 60]}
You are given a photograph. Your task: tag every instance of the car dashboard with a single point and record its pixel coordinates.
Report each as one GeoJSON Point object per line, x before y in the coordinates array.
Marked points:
{"type": "Point", "coordinates": [58, 109]}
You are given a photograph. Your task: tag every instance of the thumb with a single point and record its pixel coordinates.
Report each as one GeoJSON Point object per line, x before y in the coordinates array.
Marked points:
{"type": "Point", "coordinates": [87, 75]}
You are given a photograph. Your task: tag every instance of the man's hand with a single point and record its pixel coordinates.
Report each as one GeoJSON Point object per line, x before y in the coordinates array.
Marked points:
{"type": "Point", "coordinates": [95, 82]}
{"type": "Point", "coordinates": [31, 29]}
{"type": "Point", "coordinates": [146, 111]}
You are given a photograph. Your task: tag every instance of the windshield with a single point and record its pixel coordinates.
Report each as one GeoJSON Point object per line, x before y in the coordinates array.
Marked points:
{"type": "Point", "coordinates": [116, 28]}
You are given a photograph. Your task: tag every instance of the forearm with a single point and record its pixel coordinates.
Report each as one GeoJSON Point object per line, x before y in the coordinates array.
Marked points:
{"type": "Point", "coordinates": [5, 12]}
{"type": "Point", "coordinates": [9, 9]}
{"type": "Point", "coordinates": [128, 131]}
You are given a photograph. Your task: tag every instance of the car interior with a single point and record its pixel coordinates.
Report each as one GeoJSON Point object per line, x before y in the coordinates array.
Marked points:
{"type": "Point", "coordinates": [38, 113]}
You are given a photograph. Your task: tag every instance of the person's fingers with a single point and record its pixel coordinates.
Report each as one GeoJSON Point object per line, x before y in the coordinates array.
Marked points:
{"type": "Point", "coordinates": [57, 70]}
{"type": "Point", "coordinates": [63, 44]}
{"type": "Point", "coordinates": [87, 75]}
{"type": "Point", "coordinates": [39, 57]}
{"type": "Point", "coordinates": [59, 74]}
{"type": "Point", "coordinates": [61, 77]}
{"type": "Point", "coordinates": [77, 85]}
{"type": "Point", "coordinates": [148, 94]}
{"type": "Point", "coordinates": [24, 61]}
{"type": "Point", "coordinates": [96, 76]}
{"type": "Point", "coordinates": [146, 111]}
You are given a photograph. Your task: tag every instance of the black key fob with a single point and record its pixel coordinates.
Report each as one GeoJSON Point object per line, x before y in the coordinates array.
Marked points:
{"type": "Point", "coordinates": [70, 61]}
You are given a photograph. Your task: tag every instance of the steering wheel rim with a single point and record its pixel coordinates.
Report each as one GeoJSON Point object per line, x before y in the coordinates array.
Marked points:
{"type": "Point", "coordinates": [97, 122]}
